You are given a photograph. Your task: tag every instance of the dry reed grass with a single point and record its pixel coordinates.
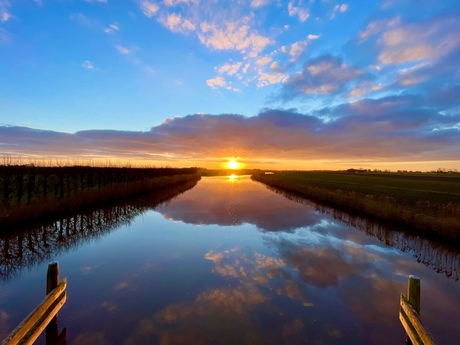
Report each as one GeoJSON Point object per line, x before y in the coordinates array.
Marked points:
{"type": "Point", "coordinates": [441, 220]}
{"type": "Point", "coordinates": [42, 209]}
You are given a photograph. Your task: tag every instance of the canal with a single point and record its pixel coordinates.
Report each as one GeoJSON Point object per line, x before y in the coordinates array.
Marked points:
{"type": "Point", "coordinates": [228, 262]}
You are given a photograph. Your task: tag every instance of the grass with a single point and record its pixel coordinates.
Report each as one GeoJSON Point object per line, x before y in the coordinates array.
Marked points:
{"type": "Point", "coordinates": [429, 203]}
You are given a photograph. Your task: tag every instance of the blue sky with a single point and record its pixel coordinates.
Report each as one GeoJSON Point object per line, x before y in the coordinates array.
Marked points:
{"type": "Point", "coordinates": [363, 83]}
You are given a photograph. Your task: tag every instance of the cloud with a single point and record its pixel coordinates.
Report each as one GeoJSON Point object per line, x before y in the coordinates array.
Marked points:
{"type": "Point", "coordinates": [217, 27]}
{"type": "Point", "coordinates": [5, 13]}
{"type": "Point", "coordinates": [170, 3]}
{"type": "Point", "coordinates": [149, 8]}
{"type": "Point", "coordinates": [111, 28]}
{"type": "Point", "coordinates": [296, 50]}
{"type": "Point", "coordinates": [324, 75]}
{"type": "Point", "coordinates": [398, 55]}
{"type": "Point", "coordinates": [312, 37]}
{"type": "Point", "coordinates": [253, 283]}
{"type": "Point", "coordinates": [343, 8]}
{"type": "Point", "coordinates": [393, 128]}
{"type": "Point", "coordinates": [403, 56]}
{"type": "Point", "coordinates": [365, 88]}
{"type": "Point", "coordinates": [377, 26]}
{"type": "Point", "coordinates": [263, 61]}
{"type": "Point", "coordinates": [176, 23]}
{"type": "Point", "coordinates": [259, 3]}
{"type": "Point", "coordinates": [275, 66]}
{"type": "Point", "coordinates": [415, 42]}
{"type": "Point", "coordinates": [271, 78]}
{"type": "Point", "coordinates": [395, 41]}
{"type": "Point", "coordinates": [296, 10]}
{"type": "Point", "coordinates": [339, 8]}
{"type": "Point", "coordinates": [233, 35]}
{"type": "Point", "coordinates": [407, 56]}
{"type": "Point", "coordinates": [218, 81]}
{"type": "Point", "coordinates": [87, 64]}
{"type": "Point", "coordinates": [321, 267]}
{"type": "Point", "coordinates": [230, 69]}
{"type": "Point", "coordinates": [123, 50]}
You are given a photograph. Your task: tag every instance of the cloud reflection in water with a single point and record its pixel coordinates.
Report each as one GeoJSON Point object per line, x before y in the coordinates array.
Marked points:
{"type": "Point", "coordinates": [236, 202]}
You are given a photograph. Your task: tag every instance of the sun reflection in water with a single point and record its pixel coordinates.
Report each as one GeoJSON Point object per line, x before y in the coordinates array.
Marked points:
{"type": "Point", "coordinates": [232, 178]}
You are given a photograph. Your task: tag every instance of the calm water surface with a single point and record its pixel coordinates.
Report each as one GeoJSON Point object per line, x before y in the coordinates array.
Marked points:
{"type": "Point", "coordinates": [228, 262]}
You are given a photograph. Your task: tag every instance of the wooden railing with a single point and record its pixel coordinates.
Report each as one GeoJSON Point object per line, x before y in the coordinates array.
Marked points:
{"type": "Point", "coordinates": [45, 315]}
{"type": "Point", "coordinates": [409, 315]}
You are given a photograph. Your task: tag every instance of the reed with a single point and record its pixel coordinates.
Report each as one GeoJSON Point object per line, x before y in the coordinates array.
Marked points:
{"type": "Point", "coordinates": [441, 219]}
{"type": "Point", "coordinates": [52, 206]}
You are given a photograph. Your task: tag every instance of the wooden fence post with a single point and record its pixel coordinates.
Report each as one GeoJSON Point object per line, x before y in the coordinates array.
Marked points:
{"type": "Point", "coordinates": [409, 315]}
{"type": "Point", "coordinates": [413, 292]}
{"type": "Point", "coordinates": [44, 316]}
{"type": "Point", "coordinates": [413, 297]}
{"type": "Point", "coordinates": [52, 276]}
{"type": "Point", "coordinates": [52, 281]}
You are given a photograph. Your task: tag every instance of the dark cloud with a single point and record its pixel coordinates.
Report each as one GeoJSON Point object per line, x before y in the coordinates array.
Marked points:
{"type": "Point", "coordinates": [394, 127]}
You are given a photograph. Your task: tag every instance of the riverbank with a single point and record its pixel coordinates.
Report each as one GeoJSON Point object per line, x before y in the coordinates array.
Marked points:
{"type": "Point", "coordinates": [23, 212]}
{"type": "Point", "coordinates": [426, 203]}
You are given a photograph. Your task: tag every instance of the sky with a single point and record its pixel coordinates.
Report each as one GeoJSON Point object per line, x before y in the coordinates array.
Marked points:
{"type": "Point", "coordinates": [302, 84]}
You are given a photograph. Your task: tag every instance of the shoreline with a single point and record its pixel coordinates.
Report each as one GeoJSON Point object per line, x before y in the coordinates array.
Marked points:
{"type": "Point", "coordinates": [382, 207]}
{"type": "Point", "coordinates": [19, 216]}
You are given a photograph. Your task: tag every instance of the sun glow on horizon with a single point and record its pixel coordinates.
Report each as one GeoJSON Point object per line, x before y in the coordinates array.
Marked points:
{"type": "Point", "coordinates": [233, 164]}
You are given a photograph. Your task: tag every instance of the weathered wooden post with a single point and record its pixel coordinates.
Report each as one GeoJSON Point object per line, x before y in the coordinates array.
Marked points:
{"type": "Point", "coordinates": [52, 276]}
{"type": "Point", "coordinates": [409, 315]}
{"type": "Point", "coordinates": [413, 297]}
{"type": "Point", "coordinates": [52, 281]}
{"type": "Point", "coordinates": [44, 315]}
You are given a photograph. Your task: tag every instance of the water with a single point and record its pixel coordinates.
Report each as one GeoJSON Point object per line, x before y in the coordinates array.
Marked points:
{"type": "Point", "coordinates": [228, 262]}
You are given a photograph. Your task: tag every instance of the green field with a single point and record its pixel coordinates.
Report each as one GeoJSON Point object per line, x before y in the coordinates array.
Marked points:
{"type": "Point", "coordinates": [426, 202]}
{"type": "Point", "coordinates": [410, 187]}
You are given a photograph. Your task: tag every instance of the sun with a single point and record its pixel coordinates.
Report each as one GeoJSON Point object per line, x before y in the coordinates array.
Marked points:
{"type": "Point", "coordinates": [233, 164]}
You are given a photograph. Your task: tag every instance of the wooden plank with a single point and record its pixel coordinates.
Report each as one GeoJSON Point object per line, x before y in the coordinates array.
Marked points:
{"type": "Point", "coordinates": [410, 332]}
{"type": "Point", "coordinates": [31, 321]}
{"type": "Point", "coordinates": [415, 322]}
{"type": "Point", "coordinates": [40, 326]}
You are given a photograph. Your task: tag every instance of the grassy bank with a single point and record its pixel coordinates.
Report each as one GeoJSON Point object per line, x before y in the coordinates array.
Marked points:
{"type": "Point", "coordinates": [60, 190]}
{"type": "Point", "coordinates": [22, 184]}
{"type": "Point", "coordinates": [426, 202]}
{"type": "Point", "coordinates": [28, 246]}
